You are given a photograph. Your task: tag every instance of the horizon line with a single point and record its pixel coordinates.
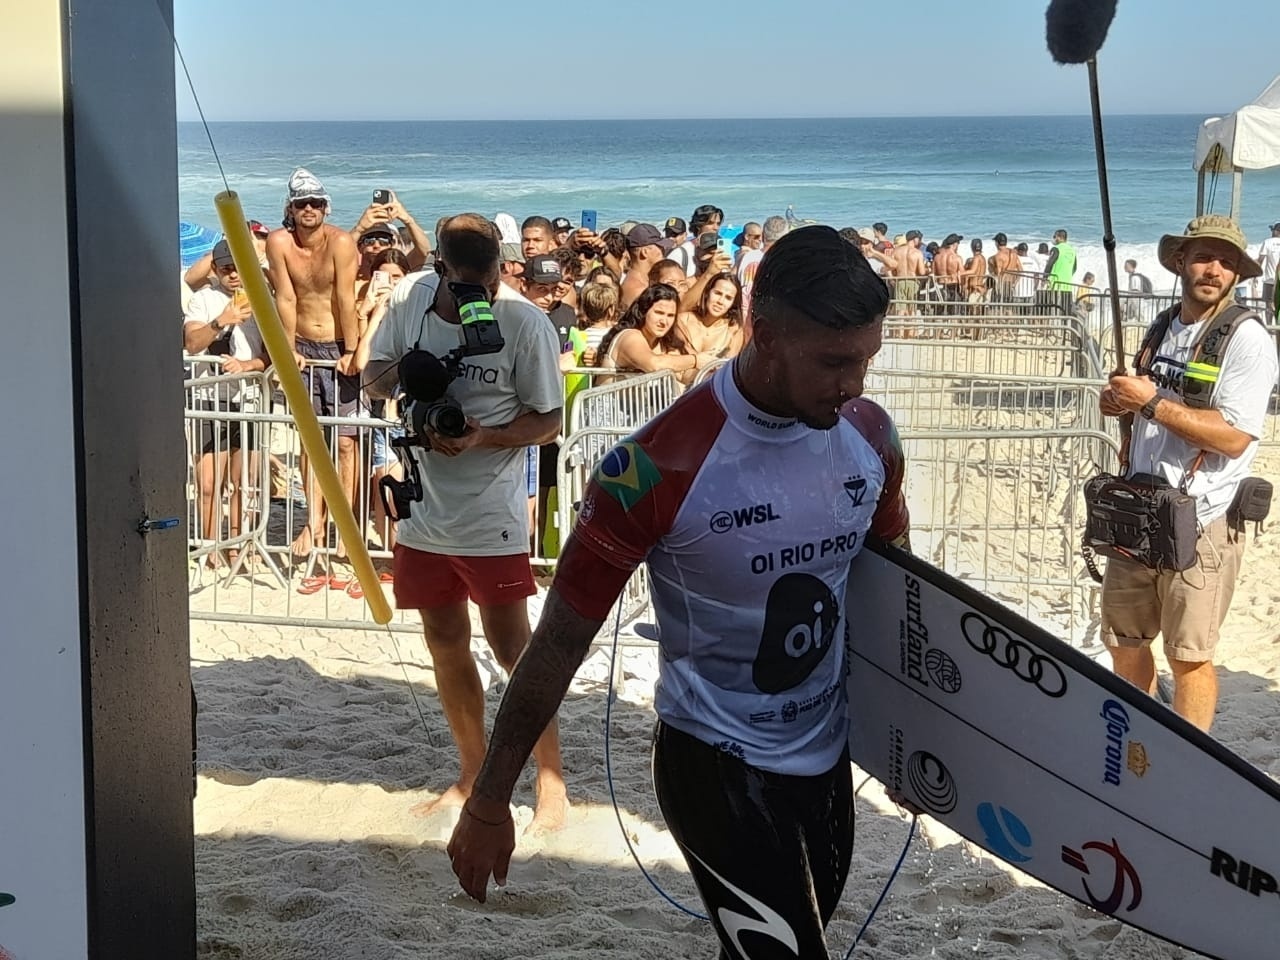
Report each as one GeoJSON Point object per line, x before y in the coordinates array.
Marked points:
{"type": "Point", "coordinates": [956, 116]}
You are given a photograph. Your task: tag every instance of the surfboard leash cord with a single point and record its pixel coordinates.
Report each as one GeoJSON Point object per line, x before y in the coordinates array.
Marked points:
{"type": "Point", "coordinates": [626, 838]}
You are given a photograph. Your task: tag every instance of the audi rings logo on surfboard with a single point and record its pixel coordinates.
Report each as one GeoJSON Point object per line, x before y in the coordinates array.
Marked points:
{"type": "Point", "coordinates": [931, 781]}
{"type": "Point", "coordinates": [1023, 660]}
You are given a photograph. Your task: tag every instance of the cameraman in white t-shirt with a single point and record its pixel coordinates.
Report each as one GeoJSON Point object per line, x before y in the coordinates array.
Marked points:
{"type": "Point", "coordinates": [1269, 260]}
{"type": "Point", "coordinates": [468, 538]}
{"type": "Point", "coordinates": [1204, 445]}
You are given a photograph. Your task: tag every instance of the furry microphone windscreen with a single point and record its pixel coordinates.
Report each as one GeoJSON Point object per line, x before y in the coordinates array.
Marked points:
{"type": "Point", "coordinates": [1076, 29]}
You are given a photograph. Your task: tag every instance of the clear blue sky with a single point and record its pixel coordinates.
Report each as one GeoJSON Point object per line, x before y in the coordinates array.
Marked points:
{"type": "Point", "coordinates": [499, 59]}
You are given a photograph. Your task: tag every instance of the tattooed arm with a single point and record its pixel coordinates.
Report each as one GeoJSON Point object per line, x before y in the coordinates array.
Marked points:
{"type": "Point", "coordinates": [537, 686]}
{"type": "Point", "coordinates": [484, 839]}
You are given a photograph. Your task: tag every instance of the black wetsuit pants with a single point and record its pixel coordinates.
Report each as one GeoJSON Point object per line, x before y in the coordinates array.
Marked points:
{"type": "Point", "coordinates": [769, 852]}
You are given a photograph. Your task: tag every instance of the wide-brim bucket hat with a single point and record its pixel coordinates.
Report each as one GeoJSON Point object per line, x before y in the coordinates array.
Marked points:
{"type": "Point", "coordinates": [1210, 226]}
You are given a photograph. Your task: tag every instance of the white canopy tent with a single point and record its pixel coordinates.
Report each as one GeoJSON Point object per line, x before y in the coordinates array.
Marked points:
{"type": "Point", "coordinates": [1248, 139]}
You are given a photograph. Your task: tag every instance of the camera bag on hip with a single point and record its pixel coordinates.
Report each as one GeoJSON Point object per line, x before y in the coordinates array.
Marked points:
{"type": "Point", "coordinates": [1143, 518]}
{"type": "Point", "coordinates": [1252, 503]}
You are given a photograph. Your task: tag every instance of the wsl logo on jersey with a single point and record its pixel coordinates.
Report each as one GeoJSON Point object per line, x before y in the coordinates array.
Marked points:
{"type": "Point", "coordinates": [627, 474]}
{"type": "Point", "coordinates": [726, 520]}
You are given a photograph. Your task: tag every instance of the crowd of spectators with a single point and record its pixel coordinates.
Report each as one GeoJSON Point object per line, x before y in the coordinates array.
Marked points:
{"type": "Point", "coordinates": [631, 298]}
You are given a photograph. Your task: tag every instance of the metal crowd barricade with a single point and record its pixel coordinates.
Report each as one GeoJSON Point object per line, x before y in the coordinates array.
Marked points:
{"type": "Point", "coordinates": [227, 487]}
{"type": "Point", "coordinates": [923, 400]}
{"type": "Point", "coordinates": [998, 438]}
{"type": "Point", "coordinates": [998, 344]}
{"type": "Point", "coordinates": [628, 403]}
{"type": "Point", "coordinates": [1002, 510]}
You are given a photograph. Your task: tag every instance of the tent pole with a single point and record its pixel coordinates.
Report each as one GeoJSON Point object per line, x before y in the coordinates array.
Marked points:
{"type": "Point", "coordinates": [1237, 182]}
{"type": "Point", "coordinates": [1200, 191]}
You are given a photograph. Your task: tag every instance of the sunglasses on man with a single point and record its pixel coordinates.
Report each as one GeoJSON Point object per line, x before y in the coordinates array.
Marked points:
{"type": "Point", "coordinates": [317, 203]}
{"type": "Point", "coordinates": [378, 238]}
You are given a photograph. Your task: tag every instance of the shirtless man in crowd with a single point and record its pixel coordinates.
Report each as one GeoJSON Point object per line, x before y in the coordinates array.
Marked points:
{"type": "Point", "coordinates": [947, 267]}
{"type": "Point", "coordinates": [909, 267]}
{"type": "Point", "coordinates": [314, 267]}
{"type": "Point", "coordinates": [1005, 267]}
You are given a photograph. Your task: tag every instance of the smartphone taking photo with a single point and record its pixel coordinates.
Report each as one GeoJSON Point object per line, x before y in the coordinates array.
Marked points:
{"type": "Point", "coordinates": [589, 220]}
{"type": "Point", "coordinates": [382, 196]}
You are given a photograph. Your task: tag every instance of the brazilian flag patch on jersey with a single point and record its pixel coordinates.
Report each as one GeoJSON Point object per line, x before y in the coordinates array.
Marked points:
{"type": "Point", "coordinates": [627, 474]}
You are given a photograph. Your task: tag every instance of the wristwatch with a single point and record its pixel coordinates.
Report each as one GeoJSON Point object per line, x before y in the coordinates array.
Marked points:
{"type": "Point", "coordinates": [1149, 408]}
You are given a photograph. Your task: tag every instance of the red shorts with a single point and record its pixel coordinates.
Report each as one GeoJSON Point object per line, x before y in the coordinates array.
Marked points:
{"type": "Point", "coordinates": [427, 581]}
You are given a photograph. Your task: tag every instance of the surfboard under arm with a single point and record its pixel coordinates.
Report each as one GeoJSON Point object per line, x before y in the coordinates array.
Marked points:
{"type": "Point", "coordinates": [1044, 758]}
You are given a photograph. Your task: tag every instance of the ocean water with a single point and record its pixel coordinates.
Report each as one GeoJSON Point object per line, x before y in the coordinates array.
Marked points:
{"type": "Point", "coordinates": [1026, 176]}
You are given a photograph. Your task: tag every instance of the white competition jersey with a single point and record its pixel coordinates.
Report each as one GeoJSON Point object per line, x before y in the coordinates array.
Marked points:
{"type": "Point", "coordinates": [747, 523]}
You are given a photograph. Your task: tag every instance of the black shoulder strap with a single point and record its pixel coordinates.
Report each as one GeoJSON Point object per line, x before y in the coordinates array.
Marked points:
{"type": "Point", "coordinates": [1152, 339]}
{"type": "Point", "coordinates": [1211, 345]}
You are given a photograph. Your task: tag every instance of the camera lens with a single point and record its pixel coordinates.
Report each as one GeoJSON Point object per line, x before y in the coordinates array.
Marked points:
{"type": "Point", "coordinates": [446, 419]}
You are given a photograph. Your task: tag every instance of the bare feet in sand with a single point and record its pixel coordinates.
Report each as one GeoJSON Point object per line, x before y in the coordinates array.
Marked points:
{"type": "Point", "coordinates": [451, 799]}
{"type": "Point", "coordinates": [303, 544]}
{"type": "Point", "coordinates": [550, 812]}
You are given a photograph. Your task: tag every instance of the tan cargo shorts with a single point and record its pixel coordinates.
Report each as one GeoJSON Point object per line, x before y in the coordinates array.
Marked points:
{"type": "Point", "coordinates": [1186, 609]}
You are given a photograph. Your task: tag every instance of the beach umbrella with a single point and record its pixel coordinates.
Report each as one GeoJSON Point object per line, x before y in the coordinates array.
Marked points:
{"type": "Point", "coordinates": [195, 241]}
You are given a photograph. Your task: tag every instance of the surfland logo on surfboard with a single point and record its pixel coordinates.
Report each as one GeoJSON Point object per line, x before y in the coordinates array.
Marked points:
{"type": "Point", "coordinates": [926, 665]}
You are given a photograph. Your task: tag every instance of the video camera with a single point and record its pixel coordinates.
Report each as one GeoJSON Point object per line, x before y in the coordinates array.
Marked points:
{"type": "Point", "coordinates": [424, 381]}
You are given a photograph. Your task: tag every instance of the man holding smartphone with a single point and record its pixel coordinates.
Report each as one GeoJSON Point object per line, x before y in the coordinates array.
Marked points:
{"type": "Point", "coordinates": [705, 220]}
{"type": "Point", "coordinates": [379, 220]}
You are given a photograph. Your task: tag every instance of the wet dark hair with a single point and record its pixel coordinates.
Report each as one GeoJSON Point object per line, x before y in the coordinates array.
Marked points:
{"type": "Point", "coordinates": [633, 319]}
{"type": "Point", "coordinates": [540, 222]}
{"type": "Point", "coordinates": [813, 271]}
{"type": "Point", "coordinates": [471, 244]}
{"type": "Point", "coordinates": [568, 260]}
{"type": "Point", "coordinates": [615, 242]}
{"type": "Point", "coordinates": [880, 227]}
{"type": "Point", "coordinates": [850, 235]}
{"type": "Point", "coordinates": [391, 256]}
{"type": "Point", "coordinates": [662, 265]}
{"type": "Point", "coordinates": [704, 215]}
{"type": "Point", "coordinates": [734, 316]}
{"type": "Point", "coordinates": [601, 271]}
{"type": "Point", "coordinates": [1021, 248]}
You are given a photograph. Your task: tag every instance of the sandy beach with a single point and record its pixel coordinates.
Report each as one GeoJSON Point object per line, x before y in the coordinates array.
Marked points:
{"type": "Point", "coordinates": [312, 753]}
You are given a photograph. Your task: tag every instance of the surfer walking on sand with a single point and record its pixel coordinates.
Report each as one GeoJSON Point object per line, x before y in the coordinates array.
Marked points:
{"type": "Point", "coordinates": [1201, 403]}
{"type": "Point", "coordinates": [747, 499]}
